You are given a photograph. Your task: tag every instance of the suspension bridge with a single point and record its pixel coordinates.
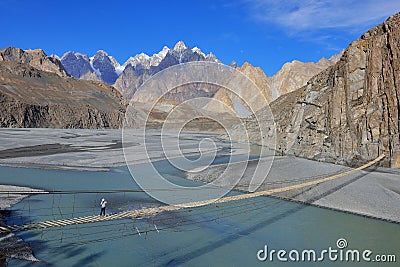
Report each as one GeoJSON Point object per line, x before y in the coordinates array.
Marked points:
{"type": "Point", "coordinates": [149, 212]}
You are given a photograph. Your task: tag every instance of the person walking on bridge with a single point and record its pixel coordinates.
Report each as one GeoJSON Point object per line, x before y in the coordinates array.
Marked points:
{"type": "Point", "coordinates": [103, 204]}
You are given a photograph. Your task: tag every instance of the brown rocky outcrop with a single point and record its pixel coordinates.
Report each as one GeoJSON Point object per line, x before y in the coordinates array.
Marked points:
{"type": "Point", "coordinates": [257, 75]}
{"type": "Point", "coordinates": [348, 113]}
{"type": "Point", "coordinates": [36, 58]}
{"type": "Point", "coordinates": [30, 97]}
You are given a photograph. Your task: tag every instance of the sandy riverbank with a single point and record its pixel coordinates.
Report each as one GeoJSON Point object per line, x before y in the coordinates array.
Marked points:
{"type": "Point", "coordinates": [90, 150]}
{"type": "Point", "coordinates": [372, 192]}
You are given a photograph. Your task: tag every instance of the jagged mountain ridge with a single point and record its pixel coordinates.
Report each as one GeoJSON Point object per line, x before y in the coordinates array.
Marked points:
{"type": "Point", "coordinates": [139, 68]}
{"type": "Point", "coordinates": [103, 67]}
{"type": "Point", "coordinates": [135, 74]}
{"type": "Point", "coordinates": [100, 67]}
{"type": "Point", "coordinates": [131, 74]}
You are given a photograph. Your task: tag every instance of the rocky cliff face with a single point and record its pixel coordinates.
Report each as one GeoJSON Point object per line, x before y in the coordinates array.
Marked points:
{"type": "Point", "coordinates": [348, 113]}
{"type": "Point", "coordinates": [30, 97]}
{"type": "Point", "coordinates": [36, 58]}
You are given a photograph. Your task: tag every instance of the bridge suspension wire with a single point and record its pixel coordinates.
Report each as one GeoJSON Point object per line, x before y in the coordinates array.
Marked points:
{"type": "Point", "coordinates": [83, 210]}
{"type": "Point", "coordinates": [149, 212]}
{"type": "Point", "coordinates": [126, 228]}
{"type": "Point", "coordinates": [167, 222]}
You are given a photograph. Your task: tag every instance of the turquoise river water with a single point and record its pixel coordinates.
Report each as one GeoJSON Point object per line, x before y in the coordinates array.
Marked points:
{"type": "Point", "coordinates": [229, 234]}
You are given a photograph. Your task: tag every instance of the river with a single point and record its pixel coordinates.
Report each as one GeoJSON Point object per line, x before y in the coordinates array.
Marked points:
{"type": "Point", "coordinates": [227, 234]}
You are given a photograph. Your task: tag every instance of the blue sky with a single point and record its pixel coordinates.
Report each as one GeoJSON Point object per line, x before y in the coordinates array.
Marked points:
{"type": "Point", "coordinates": [266, 33]}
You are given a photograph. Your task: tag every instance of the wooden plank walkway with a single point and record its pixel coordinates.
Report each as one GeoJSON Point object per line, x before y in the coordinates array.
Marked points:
{"type": "Point", "coordinates": [148, 212]}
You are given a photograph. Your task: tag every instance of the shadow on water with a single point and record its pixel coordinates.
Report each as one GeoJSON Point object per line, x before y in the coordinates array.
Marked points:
{"type": "Point", "coordinates": [231, 238]}
{"type": "Point", "coordinates": [66, 252]}
{"type": "Point", "coordinates": [28, 243]}
{"type": "Point", "coordinates": [245, 232]}
{"type": "Point", "coordinates": [88, 259]}
{"type": "Point", "coordinates": [82, 256]}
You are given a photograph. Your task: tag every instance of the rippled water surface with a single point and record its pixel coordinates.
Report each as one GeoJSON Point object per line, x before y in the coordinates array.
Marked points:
{"type": "Point", "coordinates": [224, 234]}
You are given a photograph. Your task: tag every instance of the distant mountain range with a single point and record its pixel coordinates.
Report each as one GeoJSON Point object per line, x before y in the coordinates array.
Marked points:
{"type": "Point", "coordinates": [130, 75]}
{"type": "Point", "coordinates": [37, 92]}
{"type": "Point", "coordinates": [344, 109]}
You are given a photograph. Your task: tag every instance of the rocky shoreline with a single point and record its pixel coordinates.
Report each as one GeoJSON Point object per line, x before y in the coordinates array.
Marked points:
{"type": "Point", "coordinates": [11, 245]}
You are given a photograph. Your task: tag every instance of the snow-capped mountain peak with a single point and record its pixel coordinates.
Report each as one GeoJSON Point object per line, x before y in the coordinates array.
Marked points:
{"type": "Point", "coordinates": [66, 54]}
{"type": "Point", "coordinates": [113, 61]}
{"type": "Point", "coordinates": [212, 57]}
{"type": "Point", "coordinates": [157, 58]}
{"type": "Point", "coordinates": [118, 68]}
{"type": "Point", "coordinates": [97, 71]}
{"type": "Point", "coordinates": [139, 59]}
{"type": "Point", "coordinates": [101, 52]}
{"type": "Point", "coordinates": [198, 51]}
{"type": "Point", "coordinates": [104, 67]}
{"type": "Point", "coordinates": [145, 60]}
{"type": "Point", "coordinates": [80, 55]}
{"type": "Point", "coordinates": [55, 56]}
{"type": "Point", "coordinates": [180, 46]}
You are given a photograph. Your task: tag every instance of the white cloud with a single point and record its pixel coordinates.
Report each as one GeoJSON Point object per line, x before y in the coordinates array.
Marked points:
{"type": "Point", "coordinates": [305, 15]}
